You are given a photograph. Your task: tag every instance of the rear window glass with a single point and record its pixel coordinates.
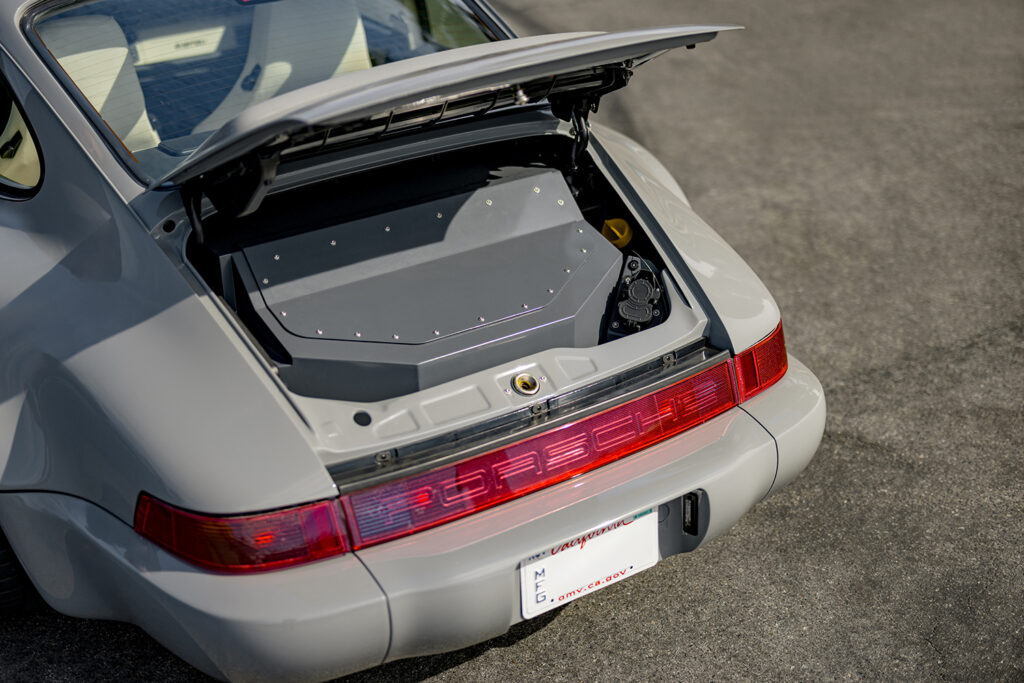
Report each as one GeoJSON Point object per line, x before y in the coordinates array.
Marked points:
{"type": "Point", "coordinates": [164, 75]}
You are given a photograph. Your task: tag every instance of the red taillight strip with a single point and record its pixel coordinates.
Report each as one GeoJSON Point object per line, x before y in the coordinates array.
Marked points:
{"type": "Point", "coordinates": [249, 543]}
{"type": "Point", "coordinates": [405, 506]}
{"type": "Point", "coordinates": [762, 365]}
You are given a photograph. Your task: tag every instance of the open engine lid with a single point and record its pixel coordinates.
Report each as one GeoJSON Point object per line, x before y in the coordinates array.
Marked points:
{"type": "Point", "coordinates": [570, 70]}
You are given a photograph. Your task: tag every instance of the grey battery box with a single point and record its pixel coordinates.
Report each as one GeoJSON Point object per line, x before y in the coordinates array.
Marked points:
{"type": "Point", "coordinates": [407, 299]}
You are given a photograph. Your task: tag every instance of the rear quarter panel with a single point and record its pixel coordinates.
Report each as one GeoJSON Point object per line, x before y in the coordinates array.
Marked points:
{"type": "Point", "coordinates": [115, 376]}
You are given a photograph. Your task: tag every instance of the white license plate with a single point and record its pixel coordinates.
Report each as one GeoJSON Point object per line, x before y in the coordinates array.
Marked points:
{"type": "Point", "coordinates": [588, 562]}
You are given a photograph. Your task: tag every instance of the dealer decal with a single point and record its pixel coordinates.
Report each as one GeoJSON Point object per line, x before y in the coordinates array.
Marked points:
{"type": "Point", "coordinates": [581, 541]}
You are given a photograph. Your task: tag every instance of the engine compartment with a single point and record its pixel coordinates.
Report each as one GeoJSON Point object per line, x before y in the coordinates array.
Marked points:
{"type": "Point", "coordinates": [379, 284]}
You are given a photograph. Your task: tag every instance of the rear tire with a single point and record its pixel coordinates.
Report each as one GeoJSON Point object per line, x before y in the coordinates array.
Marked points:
{"type": "Point", "coordinates": [16, 591]}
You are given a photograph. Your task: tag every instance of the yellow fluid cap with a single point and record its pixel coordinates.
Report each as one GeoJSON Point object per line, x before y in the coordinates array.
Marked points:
{"type": "Point", "coordinates": [617, 231]}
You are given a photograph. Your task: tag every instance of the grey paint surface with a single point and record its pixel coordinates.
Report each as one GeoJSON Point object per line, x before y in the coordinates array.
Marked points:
{"type": "Point", "coordinates": [89, 300]}
{"type": "Point", "coordinates": [846, 159]}
{"type": "Point", "coordinates": [408, 299]}
{"type": "Point", "coordinates": [272, 626]}
{"type": "Point", "coordinates": [487, 236]}
{"type": "Point", "coordinates": [481, 395]}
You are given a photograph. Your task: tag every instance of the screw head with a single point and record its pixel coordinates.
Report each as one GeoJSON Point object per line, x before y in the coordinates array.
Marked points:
{"type": "Point", "coordinates": [568, 270]}
{"type": "Point", "coordinates": [488, 202]}
{"type": "Point", "coordinates": [394, 336]}
{"type": "Point", "coordinates": [277, 257]}
{"type": "Point", "coordinates": [561, 202]}
{"type": "Point", "coordinates": [440, 215]}
{"type": "Point", "coordinates": [583, 251]}
{"type": "Point", "coordinates": [319, 331]}
{"type": "Point", "coordinates": [359, 334]}
{"type": "Point", "coordinates": [481, 319]}
{"type": "Point", "coordinates": [550, 290]}
{"type": "Point", "coordinates": [334, 243]}
{"type": "Point", "coordinates": [284, 313]}
{"type": "Point", "coordinates": [536, 190]}
{"type": "Point", "coordinates": [437, 332]}
{"type": "Point", "coordinates": [387, 228]}
{"type": "Point", "coordinates": [266, 281]}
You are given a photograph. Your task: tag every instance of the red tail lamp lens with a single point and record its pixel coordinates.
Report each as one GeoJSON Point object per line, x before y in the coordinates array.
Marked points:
{"type": "Point", "coordinates": [249, 543]}
{"type": "Point", "coordinates": [762, 365]}
{"type": "Point", "coordinates": [403, 507]}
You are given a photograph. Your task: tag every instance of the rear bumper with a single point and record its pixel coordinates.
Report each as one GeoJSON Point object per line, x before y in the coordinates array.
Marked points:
{"type": "Point", "coordinates": [439, 590]}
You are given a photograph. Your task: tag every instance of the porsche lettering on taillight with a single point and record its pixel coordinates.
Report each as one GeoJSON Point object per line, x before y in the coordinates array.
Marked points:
{"type": "Point", "coordinates": [405, 506]}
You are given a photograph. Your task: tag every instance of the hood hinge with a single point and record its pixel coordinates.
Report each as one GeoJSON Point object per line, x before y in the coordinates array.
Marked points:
{"type": "Point", "coordinates": [240, 190]}
{"type": "Point", "coordinates": [576, 109]}
{"type": "Point", "coordinates": [580, 119]}
{"type": "Point", "coordinates": [237, 191]}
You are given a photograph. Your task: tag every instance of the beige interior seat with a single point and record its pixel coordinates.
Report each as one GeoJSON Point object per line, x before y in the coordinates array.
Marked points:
{"type": "Point", "coordinates": [94, 53]}
{"type": "Point", "coordinates": [294, 43]}
{"type": "Point", "coordinates": [19, 159]}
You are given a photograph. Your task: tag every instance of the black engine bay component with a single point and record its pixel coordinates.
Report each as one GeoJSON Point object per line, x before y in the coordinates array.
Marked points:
{"type": "Point", "coordinates": [399, 301]}
{"type": "Point", "coordinates": [639, 301]}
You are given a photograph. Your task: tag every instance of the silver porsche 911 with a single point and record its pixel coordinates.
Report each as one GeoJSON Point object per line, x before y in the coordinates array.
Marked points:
{"type": "Point", "coordinates": [332, 333]}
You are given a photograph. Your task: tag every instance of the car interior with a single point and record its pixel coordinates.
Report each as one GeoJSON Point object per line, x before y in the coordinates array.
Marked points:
{"type": "Point", "coordinates": [178, 74]}
{"type": "Point", "coordinates": [19, 160]}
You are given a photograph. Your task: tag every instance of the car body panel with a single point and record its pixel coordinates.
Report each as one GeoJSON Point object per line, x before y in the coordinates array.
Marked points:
{"type": "Point", "coordinates": [449, 587]}
{"type": "Point", "coordinates": [112, 307]}
{"type": "Point", "coordinates": [278, 626]}
{"type": "Point", "coordinates": [794, 414]}
{"type": "Point", "coordinates": [475, 561]}
{"type": "Point", "coordinates": [481, 396]}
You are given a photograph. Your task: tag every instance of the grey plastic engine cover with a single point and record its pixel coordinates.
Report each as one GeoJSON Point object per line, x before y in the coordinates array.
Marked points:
{"type": "Point", "coordinates": [400, 301]}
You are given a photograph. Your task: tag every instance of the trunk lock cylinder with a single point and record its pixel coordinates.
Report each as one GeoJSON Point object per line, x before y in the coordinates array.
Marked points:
{"type": "Point", "coordinates": [526, 384]}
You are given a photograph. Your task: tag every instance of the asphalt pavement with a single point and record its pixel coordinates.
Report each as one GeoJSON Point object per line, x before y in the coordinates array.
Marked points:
{"type": "Point", "coordinates": [867, 159]}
